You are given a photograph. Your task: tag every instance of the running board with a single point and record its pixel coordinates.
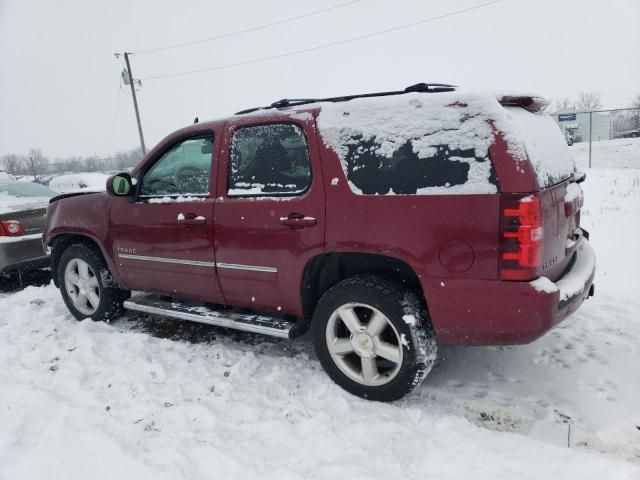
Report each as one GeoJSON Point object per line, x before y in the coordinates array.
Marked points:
{"type": "Point", "coordinates": [159, 305]}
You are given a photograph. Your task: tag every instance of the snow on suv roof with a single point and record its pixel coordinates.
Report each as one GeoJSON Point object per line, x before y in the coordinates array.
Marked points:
{"type": "Point", "coordinates": [457, 120]}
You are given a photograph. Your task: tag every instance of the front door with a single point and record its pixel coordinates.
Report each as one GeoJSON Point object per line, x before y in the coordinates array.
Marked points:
{"type": "Point", "coordinates": [269, 215]}
{"type": "Point", "coordinates": [163, 241]}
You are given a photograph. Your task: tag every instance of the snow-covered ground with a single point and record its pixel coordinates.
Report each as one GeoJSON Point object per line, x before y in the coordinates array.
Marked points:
{"type": "Point", "coordinates": [617, 153]}
{"type": "Point", "coordinates": [74, 182]}
{"type": "Point", "coordinates": [149, 398]}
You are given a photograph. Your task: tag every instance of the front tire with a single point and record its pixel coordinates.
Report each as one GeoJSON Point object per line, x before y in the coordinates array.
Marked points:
{"type": "Point", "coordinates": [374, 337]}
{"type": "Point", "coordinates": [87, 286]}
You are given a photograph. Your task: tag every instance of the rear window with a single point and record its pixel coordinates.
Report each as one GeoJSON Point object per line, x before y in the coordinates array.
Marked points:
{"type": "Point", "coordinates": [26, 189]}
{"type": "Point", "coordinates": [413, 144]}
{"type": "Point", "coordinates": [544, 144]}
{"type": "Point", "coordinates": [404, 172]}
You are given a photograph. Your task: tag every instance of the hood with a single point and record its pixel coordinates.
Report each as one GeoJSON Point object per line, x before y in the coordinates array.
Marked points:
{"type": "Point", "coordinates": [74, 194]}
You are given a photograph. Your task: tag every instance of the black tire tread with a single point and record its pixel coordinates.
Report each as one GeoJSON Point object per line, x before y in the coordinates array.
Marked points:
{"type": "Point", "coordinates": [111, 296]}
{"type": "Point", "coordinates": [422, 335]}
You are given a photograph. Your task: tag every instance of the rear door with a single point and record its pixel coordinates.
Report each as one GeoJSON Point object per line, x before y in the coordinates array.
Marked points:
{"type": "Point", "coordinates": [163, 241]}
{"type": "Point", "coordinates": [269, 216]}
{"type": "Point", "coordinates": [561, 204]}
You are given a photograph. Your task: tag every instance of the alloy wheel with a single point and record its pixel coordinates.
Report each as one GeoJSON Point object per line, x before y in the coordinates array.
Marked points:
{"type": "Point", "coordinates": [364, 344]}
{"type": "Point", "coordinates": [82, 286]}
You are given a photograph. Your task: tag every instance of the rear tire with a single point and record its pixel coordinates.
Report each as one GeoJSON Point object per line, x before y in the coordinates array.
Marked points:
{"type": "Point", "coordinates": [86, 284]}
{"type": "Point", "coordinates": [374, 337]}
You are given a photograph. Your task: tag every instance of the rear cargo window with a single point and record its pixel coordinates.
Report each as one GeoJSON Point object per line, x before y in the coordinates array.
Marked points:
{"type": "Point", "coordinates": [544, 144]}
{"type": "Point", "coordinates": [405, 173]}
{"type": "Point", "coordinates": [413, 144]}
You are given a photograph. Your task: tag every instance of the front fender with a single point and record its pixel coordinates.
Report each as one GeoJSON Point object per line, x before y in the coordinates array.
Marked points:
{"type": "Point", "coordinates": [77, 218]}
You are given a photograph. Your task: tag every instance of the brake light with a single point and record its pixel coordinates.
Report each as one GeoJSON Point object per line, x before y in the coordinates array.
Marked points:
{"type": "Point", "coordinates": [10, 228]}
{"type": "Point", "coordinates": [530, 103]}
{"type": "Point", "coordinates": [521, 237]}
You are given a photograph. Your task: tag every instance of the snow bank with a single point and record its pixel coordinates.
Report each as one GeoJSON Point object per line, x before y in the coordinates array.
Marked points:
{"type": "Point", "coordinates": [6, 177]}
{"type": "Point", "coordinates": [78, 182]}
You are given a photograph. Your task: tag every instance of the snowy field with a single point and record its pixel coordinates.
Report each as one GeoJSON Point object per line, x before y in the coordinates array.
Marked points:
{"type": "Point", "coordinates": [146, 398]}
{"type": "Point", "coordinates": [618, 153]}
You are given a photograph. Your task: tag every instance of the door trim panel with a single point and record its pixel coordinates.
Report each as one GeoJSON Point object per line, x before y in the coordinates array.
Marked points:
{"type": "Point", "coordinates": [252, 268]}
{"type": "Point", "coordinates": [180, 261]}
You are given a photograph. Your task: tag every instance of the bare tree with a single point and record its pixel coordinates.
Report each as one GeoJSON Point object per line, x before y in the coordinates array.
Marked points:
{"type": "Point", "coordinates": [12, 163]}
{"type": "Point", "coordinates": [92, 164]}
{"type": "Point", "coordinates": [588, 101]}
{"type": "Point", "coordinates": [564, 104]}
{"type": "Point", "coordinates": [634, 115]}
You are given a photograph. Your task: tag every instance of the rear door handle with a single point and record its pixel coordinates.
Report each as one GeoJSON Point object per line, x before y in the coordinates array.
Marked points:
{"type": "Point", "coordinates": [191, 219]}
{"type": "Point", "coordinates": [298, 220]}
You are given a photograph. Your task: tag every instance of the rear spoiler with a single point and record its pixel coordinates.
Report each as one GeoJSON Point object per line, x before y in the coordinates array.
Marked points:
{"type": "Point", "coordinates": [528, 102]}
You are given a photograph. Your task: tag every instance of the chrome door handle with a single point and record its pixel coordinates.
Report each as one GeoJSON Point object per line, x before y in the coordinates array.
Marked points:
{"type": "Point", "coordinates": [191, 219]}
{"type": "Point", "coordinates": [298, 220]}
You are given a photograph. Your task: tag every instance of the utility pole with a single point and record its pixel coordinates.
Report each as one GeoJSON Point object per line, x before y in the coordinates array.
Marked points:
{"type": "Point", "coordinates": [590, 135]}
{"type": "Point", "coordinates": [135, 102]}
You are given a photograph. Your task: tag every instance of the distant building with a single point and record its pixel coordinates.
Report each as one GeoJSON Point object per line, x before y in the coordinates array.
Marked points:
{"type": "Point", "coordinates": [575, 123]}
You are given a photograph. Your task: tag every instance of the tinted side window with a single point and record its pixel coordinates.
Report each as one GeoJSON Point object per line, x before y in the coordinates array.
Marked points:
{"type": "Point", "coordinates": [269, 159]}
{"type": "Point", "coordinates": [404, 172]}
{"type": "Point", "coordinates": [183, 170]}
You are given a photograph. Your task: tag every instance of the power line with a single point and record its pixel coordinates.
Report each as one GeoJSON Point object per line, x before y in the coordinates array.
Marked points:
{"type": "Point", "coordinates": [323, 46]}
{"type": "Point", "coordinates": [251, 29]}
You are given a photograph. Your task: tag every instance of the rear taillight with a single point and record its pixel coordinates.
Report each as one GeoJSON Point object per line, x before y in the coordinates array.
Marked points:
{"type": "Point", "coordinates": [520, 237]}
{"type": "Point", "coordinates": [10, 228]}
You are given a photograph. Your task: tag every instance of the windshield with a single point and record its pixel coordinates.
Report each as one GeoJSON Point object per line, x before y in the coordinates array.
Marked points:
{"type": "Point", "coordinates": [26, 189]}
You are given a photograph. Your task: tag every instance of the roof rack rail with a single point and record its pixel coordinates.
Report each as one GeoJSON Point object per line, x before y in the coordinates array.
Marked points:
{"type": "Point", "coordinates": [292, 102]}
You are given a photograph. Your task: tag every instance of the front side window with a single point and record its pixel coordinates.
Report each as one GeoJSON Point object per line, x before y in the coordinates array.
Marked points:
{"type": "Point", "coordinates": [183, 170]}
{"type": "Point", "coordinates": [269, 160]}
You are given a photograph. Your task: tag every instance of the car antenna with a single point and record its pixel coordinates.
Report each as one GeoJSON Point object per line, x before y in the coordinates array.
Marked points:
{"type": "Point", "coordinates": [195, 120]}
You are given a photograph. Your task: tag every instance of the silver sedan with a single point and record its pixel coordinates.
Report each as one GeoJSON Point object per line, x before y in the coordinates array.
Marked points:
{"type": "Point", "coordinates": [23, 207]}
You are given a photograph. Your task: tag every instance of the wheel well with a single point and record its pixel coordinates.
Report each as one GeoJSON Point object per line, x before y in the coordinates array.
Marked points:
{"type": "Point", "coordinates": [324, 271]}
{"type": "Point", "coordinates": [60, 243]}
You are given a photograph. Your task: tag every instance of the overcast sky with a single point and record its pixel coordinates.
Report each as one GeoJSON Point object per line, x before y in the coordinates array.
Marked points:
{"type": "Point", "coordinates": [59, 80]}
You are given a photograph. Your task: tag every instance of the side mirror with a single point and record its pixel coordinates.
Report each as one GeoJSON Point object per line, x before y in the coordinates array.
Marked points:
{"type": "Point", "coordinates": [120, 185]}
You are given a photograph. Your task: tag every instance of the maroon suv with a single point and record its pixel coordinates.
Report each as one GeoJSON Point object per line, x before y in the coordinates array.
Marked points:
{"type": "Point", "coordinates": [389, 223]}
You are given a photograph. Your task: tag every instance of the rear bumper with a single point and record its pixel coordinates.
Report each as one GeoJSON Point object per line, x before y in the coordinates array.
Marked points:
{"type": "Point", "coordinates": [483, 312]}
{"type": "Point", "coordinates": [22, 253]}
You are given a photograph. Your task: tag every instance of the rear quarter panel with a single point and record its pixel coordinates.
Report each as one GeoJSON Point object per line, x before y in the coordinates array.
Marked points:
{"type": "Point", "coordinates": [439, 236]}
